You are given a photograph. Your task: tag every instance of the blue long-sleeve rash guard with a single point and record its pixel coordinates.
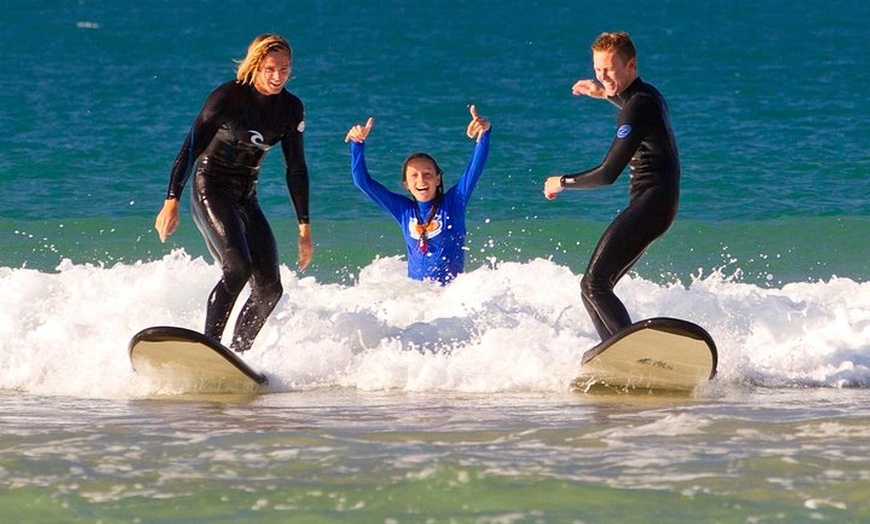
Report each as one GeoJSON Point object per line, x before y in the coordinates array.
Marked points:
{"type": "Point", "coordinates": [444, 256]}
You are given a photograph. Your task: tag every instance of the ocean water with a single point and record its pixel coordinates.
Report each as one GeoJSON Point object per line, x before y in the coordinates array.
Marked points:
{"type": "Point", "coordinates": [398, 401]}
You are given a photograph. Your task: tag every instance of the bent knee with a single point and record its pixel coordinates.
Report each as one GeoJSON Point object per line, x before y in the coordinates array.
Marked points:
{"type": "Point", "coordinates": [269, 292]}
{"type": "Point", "coordinates": [591, 285]}
{"type": "Point", "coordinates": [237, 270]}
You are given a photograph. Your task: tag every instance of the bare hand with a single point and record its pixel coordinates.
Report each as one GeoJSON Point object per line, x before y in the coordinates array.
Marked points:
{"type": "Point", "coordinates": [552, 186]}
{"type": "Point", "coordinates": [589, 88]}
{"type": "Point", "coordinates": [359, 133]}
{"type": "Point", "coordinates": [306, 248]}
{"type": "Point", "coordinates": [167, 220]}
{"type": "Point", "coordinates": [478, 125]}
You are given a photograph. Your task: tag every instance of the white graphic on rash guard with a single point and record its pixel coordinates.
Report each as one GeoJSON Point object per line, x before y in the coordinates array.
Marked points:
{"type": "Point", "coordinates": [416, 229]}
{"type": "Point", "coordinates": [257, 140]}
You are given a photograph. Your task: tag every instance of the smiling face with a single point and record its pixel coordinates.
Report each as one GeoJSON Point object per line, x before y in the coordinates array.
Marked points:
{"type": "Point", "coordinates": [613, 71]}
{"type": "Point", "coordinates": [422, 179]}
{"type": "Point", "coordinates": [273, 73]}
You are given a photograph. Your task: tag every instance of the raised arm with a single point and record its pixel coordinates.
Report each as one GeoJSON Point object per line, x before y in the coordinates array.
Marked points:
{"type": "Point", "coordinates": [359, 133]}
{"type": "Point", "coordinates": [392, 202]}
{"type": "Point", "coordinates": [478, 125]}
{"type": "Point", "coordinates": [479, 129]}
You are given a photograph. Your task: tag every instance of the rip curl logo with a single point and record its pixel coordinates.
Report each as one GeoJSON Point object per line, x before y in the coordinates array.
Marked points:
{"type": "Point", "coordinates": [257, 140]}
{"type": "Point", "coordinates": [623, 131]}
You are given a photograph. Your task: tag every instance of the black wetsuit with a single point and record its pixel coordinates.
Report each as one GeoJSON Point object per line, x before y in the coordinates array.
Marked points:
{"type": "Point", "coordinates": [226, 145]}
{"type": "Point", "coordinates": [645, 142]}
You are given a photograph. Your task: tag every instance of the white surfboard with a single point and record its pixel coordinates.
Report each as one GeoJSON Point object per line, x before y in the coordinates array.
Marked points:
{"type": "Point", "coordinates": [655, 354]}
{"type": "Point", "coordinates": [189, 361]}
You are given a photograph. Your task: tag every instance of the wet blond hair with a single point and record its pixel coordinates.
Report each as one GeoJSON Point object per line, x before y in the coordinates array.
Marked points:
{"type": "Point", "coordinates": [619, 42]}
{"type": "Point", "coordinates": [257, 51]}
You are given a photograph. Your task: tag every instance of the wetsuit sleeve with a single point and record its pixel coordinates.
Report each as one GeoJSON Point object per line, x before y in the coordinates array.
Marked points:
{"type": "Point", "coordinates": [393, 203]}
{"type": "Point", "coordinates": [475, 167]}
{"type": "Point", "coordinates": [297, 174]}
{"type": "Point", "coordinates": [203, 130]}
{"type": "Point", "coordinates": [629, 134]}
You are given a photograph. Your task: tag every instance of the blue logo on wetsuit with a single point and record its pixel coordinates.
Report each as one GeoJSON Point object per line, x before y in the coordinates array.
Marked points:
{"type": "Point", "coordinates": [623, 131]}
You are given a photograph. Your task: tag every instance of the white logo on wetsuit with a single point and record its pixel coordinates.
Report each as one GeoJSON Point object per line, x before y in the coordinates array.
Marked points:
{"type": "Point", "coordinates": [301, 126]}
{"type": "Point", "coordinates": [623, 131]}
{"type": "Point", "coordinates": [257, 140]}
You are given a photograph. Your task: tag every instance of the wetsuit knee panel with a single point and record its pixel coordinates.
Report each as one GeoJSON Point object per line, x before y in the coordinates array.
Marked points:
{"type": "Point", "coordinates": [237, 268]}
{"type": "Point", "coordinates": [590, 285]}
{"type": "Point", "coordinates": [271, 292]}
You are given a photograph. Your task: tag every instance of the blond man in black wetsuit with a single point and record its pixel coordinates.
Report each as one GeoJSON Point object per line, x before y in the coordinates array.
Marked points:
{"type": "Point", "coordinates": [239, 122]}
{"type": "Point", "coordinates": [645, 142]}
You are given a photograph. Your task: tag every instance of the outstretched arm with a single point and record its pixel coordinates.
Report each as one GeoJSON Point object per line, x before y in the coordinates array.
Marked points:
{"type": "Point", "coordinates": [590, 88]}
{"type": "Point", "coordinates": [617, 157]}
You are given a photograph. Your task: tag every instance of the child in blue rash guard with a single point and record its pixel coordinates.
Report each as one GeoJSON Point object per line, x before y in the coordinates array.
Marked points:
{"type": "Point", "coordinates": [432, 221]}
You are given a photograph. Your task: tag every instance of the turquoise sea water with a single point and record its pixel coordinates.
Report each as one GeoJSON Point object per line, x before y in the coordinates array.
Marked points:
{"type": "Point", "coordinates": [769, 253]}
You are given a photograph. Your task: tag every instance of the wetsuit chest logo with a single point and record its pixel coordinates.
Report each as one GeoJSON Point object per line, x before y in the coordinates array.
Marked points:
{"type": "Point", "coordinates": [623, 131]}
{"type": "Point", "coordinates": [423, 232]}
{"type": "Point", "coordinates": [257, 140]}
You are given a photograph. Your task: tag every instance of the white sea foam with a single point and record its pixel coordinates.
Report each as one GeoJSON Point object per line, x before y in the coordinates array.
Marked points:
{"type": "Point", "coordinates": [509, 327]}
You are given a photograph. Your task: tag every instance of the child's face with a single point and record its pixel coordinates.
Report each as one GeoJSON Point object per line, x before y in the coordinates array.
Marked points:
{"type": "Point", "coordinates": [422, 180]}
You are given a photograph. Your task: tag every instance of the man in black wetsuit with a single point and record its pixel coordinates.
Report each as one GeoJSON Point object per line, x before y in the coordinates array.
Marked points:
{"type": "Point", "coordinates": [645, 142]}
{"type": "Point", "coordinates": [239, 122]}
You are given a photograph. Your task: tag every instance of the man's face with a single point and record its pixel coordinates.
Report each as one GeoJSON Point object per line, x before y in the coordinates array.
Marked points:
{"type": "Point", "coordinates": [612, 72]}
{"type": "Point", "coordinates": [273, 73]}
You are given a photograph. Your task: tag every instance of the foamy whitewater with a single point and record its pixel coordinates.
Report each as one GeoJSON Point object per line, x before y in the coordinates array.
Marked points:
{"type": "Point", "coordinates": [511, 327]}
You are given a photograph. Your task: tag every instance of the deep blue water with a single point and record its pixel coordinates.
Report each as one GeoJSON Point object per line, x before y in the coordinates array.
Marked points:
{"type": "Point", "coordinates": [765, 102]}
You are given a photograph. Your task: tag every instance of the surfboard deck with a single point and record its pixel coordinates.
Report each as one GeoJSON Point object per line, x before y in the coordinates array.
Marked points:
{"type": "Point", "coordinates": [655, 354]}
{"type": "Point", "coordinates": [190, 361]}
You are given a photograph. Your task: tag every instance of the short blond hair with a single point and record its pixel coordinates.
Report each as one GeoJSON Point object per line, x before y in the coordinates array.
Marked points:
{"type": "Point", "coordinates": [257, 51]}
{"type": "Point", "coordinates": [619, 42]}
